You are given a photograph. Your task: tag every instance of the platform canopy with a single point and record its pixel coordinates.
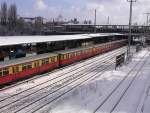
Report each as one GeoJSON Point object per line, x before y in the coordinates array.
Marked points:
{"type": "Point", "coordinates": [19, 40]}
{"type": "Point", "coordinates": [103, 34]}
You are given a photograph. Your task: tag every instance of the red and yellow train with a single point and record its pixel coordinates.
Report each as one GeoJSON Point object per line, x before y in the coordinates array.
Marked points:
{"type": "Point", "coordinates": [13, 70]}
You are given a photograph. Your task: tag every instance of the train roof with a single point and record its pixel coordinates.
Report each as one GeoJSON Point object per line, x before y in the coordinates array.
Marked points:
{"type": "Point", "coordinates": [19, 40]}
{"type": "Point", "coordinates": [82, 48]}
{"type": "Point", "coordinates": [73, 50]}
{"type": "Point", "coordinates": [25, 59]}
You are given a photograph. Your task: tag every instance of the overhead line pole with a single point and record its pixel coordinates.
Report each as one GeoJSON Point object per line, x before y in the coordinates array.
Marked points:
{"type": "Point", "coordinates": [95, 21]}
{"type": "Point", "coordinates": [130, 29]}
{"type": "Point", "coordinates": [108, 20]}
{"type": "Point", "coordinates": [147, 19]}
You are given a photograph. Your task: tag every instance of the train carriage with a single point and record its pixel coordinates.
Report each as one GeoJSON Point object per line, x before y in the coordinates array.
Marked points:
{"type": "Point", "coordinates": [24, 67]}
{"type": "Point", "coordinates": [69, 56]}
{"type": "Point", "coordinates": [13, 70]}
{"type": "Point", "coordinates": [75, 55]}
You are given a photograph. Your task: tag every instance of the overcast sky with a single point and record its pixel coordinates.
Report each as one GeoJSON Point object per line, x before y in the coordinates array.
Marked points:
{"type": "Point", "coordinates": [117, 10]}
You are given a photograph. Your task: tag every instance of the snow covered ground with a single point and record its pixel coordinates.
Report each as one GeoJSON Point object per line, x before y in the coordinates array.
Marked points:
{"type": "Point", "coordinates": [88, 96]}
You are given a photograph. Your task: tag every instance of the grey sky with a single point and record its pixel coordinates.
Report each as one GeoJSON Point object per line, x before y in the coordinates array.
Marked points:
{"type": "Point", "coordinates": [118, 10]}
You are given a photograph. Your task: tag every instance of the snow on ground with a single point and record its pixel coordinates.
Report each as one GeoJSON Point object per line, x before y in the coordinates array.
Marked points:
{"type": "Point", "coordinates": [87, 97]}
{"type": "Point", "coordinates": [146, 107]}
{"type": "Point", "coordinates": [134, 94]}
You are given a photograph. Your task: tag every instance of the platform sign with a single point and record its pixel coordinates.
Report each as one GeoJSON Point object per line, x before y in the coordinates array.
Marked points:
{"type": "Point", "coordinates": [120, 60]}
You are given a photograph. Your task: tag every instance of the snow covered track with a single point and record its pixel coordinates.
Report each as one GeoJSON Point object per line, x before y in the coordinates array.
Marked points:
{"type": "Point", "coordinates": [37, 96]}
{"type": "Point", "coordinates": [111, 104]}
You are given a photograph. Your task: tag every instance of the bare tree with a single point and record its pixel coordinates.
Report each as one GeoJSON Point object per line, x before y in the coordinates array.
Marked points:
{"type": "Point", "coordinates": [4, 13]}
{"type": "Point", "coordinates": [12, 16]}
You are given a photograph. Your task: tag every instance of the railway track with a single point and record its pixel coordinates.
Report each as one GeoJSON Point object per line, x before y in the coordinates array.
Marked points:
{"type": "Point", "coordinates": [40, 96]}
{"type": "Point", "coordinates": [50, 99]}
{"type": "Point", "coordinates": [73, 78]}
{"type": "Point", "coordinates": [140, 65]}
{"type": "Point", "coordinates": [73, 70]}
{"type": "Point", "coordinates": [71, 67]}
{"type": "Point", "coordinates": [144, 98]}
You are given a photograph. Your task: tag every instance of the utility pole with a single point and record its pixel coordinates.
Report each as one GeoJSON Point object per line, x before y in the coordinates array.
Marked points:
{"type": "Point", "coordinates": [108, 20]}
{"type": "Point", "coordinates": [147, 21]}
{"type": "Point", "coordinates": [147, 18]}
{"type": "Point", "coordinates": [130, 29]}
{"type": "Point", "coordinates": [146, 28]}
{"type": "Point", "coordinates": [95, 21]}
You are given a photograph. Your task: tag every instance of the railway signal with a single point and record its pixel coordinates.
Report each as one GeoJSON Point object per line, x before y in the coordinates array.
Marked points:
{"type": "Point", "coordinates": [120, 60]}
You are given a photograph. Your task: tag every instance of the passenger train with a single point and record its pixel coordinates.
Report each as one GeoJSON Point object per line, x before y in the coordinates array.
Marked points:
{"type": "Point", "coordinates": [16, 69]}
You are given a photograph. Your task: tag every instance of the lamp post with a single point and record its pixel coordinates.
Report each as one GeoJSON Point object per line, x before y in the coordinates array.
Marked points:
{"type": "Point", "coordinates": [130, 30]}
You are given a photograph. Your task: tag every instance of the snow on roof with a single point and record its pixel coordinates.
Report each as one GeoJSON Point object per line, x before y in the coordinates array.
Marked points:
{"type": "Point", "coordinates": [103, 34]}
{"type": "Point", "coordinates": [15, 40]}
{"type": "Point", "coordinates": [18, 40]}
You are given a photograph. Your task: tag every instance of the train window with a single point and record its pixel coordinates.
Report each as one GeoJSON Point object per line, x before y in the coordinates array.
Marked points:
{"type": "Point", "coordinates": [4, 72]}
{"type": "Point", "coordinates": [45, 61]}
{"type": "Point", "coordinates": [62, 57]}
{"type": "Point", "coordinates": [75, 54]}
{"type": "Point", "coordinates": [29, 66]}
{"type": "Point", "coordinates": [65, 57]}
{"type": "Point", "coordinates": [53, 59]}
{"type": "Point", "coordinates": [72, 55]}
{"type": "Point", "coordinates": [36, 64]}
{"type": "Point", "coordinates": [0, 72]}
{"type": "Point", "coordinates": [50, 60]}
{"type": "Point", "coordinates": [78, 53]}
{"type": "Point", "coordinates": [26, 66]}
{"type": "Point", "coordinates": [15, 69]}
{"type": "Point", "coordinates": [69, 55]}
